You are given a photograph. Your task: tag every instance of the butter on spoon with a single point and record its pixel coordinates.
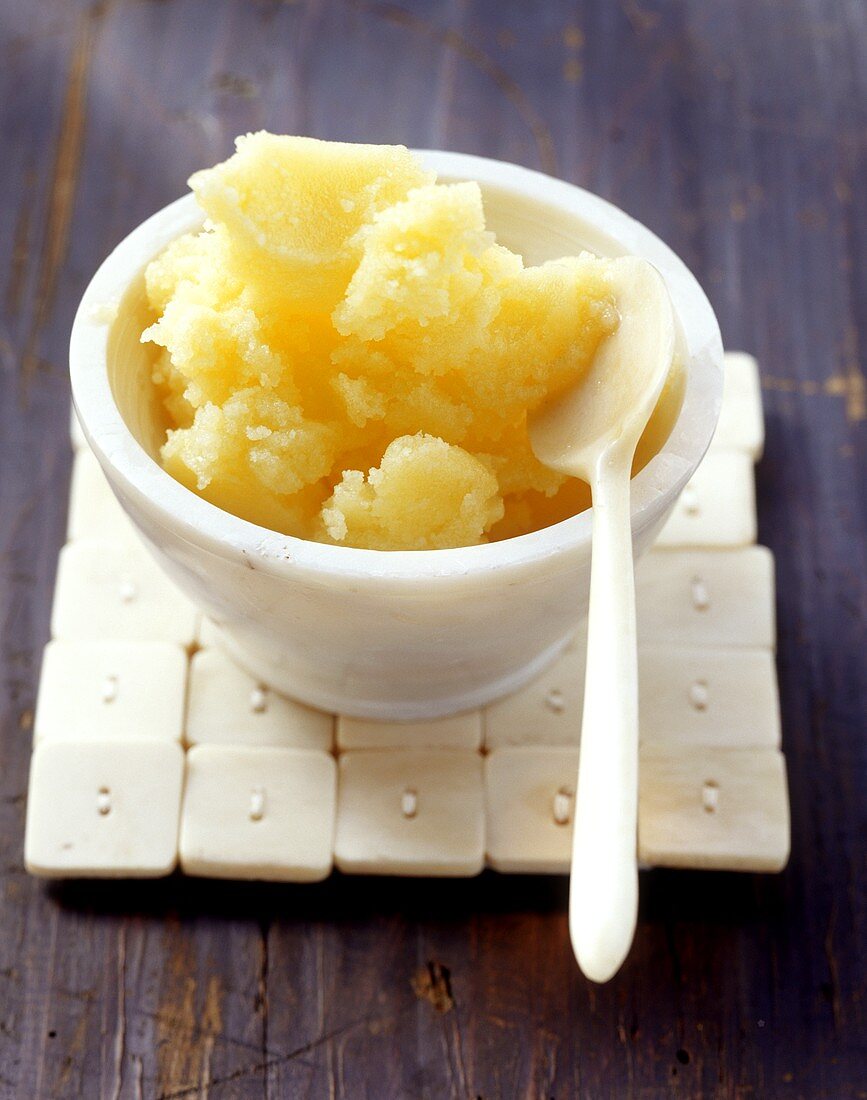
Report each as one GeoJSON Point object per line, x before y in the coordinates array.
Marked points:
{"type": "Point", "coordinates": [591, 432]}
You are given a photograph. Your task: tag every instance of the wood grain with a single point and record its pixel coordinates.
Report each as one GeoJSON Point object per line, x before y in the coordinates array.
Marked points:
{"type": "Point", "coordinates": [737, 129]}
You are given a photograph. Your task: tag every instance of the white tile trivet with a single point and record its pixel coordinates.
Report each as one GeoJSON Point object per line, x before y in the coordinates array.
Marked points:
{"type": "Point", "coordinates": [116, 690]}
{"type": "Point", "coordinates": [208, 634]}
{"type": "Point", "coordinates": [94, 511]}
{"type": "Point", "coordinates": [258, 813]}
{"type": "Point", "coordinates": [544, 712]}
{"type": "Point", "coordinates": [718, 809]}
{"type": "Point", "coordinates": [76, 435]}
{"type": "Point", "coordinates": [706, 597]}
{"type": "Point", "coordinates": [529, 797]}
{"type": "Point", "coordinates": [456, 731]}
{"type": "Point", "coordinates": [264, 797]}
{"type": "Point", "coordinates": [741, 424]}
{"type": "Point", "coordinates": [115, 590]}
{"type": "Point", "coordinates": [98, 809]}
{"type": "Point", "coordinates": [718, 505]}
{"type": "Point", "coordinates": [715, 697]}
{"type": "Point", "coordinates": [226, 706]}
{"type": "Point", "coordinates": [410, 812]}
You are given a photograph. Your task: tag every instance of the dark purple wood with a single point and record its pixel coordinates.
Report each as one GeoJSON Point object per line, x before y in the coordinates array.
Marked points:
{"type": "Point", "coordinates": [736, 130]}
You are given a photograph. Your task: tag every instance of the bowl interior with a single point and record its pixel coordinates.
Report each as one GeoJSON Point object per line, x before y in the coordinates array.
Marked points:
{"type": "Point", "coordinates": [130, 369]}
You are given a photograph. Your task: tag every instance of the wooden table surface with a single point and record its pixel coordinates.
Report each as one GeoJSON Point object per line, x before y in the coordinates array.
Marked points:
{"type": "Point", "coordinates": [737, 130]}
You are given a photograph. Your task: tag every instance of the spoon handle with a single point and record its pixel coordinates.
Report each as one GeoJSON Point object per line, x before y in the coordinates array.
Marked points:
{"type": "Point", "coordinates": [603, 899]}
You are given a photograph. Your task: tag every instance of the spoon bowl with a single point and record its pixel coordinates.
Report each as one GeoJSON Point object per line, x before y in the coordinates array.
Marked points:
{"type": "Point", "coordinates": [611, 405]}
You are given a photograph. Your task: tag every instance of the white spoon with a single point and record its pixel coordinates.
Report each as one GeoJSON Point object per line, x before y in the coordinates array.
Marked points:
{"type": "Point", "coordinates": [591, 432]}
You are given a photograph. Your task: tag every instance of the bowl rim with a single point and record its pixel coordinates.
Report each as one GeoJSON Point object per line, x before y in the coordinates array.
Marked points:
{"type": "Point", "coordinates": [139, 477]}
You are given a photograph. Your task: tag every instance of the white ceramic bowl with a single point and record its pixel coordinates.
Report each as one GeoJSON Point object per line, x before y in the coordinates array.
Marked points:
{"type": "Point", "coordinates": [389, 634]}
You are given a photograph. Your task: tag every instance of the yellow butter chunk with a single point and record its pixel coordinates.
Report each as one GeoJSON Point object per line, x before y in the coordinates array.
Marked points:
{"type": "Point", "coordinates": [301, 202]}
{"type": "Point", "coordinates": [426, 494]}
{"type": "Point", "coordinates": [345, 353]}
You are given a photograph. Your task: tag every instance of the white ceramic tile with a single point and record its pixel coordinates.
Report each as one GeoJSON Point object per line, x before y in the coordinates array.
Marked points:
{"type": "Point", "coordinates": [706, 597]}
{"type": "Point", "coordinates": [410, 813]}
{"type": "Point", "coordinates": [456, 731]}
{"type": "Point", "coordinates": [741, 424]}
{"type": "Point", "coordinates": [716, 809]}
{"type": "Point", "coordinates": [94, 511]}
{"type": "Point", "coordinates": [103, 809]}
{"type": "Point", "coordinates": [76, 435]}
{"type": "Point", "coordinates": [529, 797]}
{"type": "Point", "coordinates": [547, 711]}
{"type": "Point", "coordinates": [226, 706]}
{"type": "Point", "coordinates": [718, 505]}
{"type": "Point", "coordinates": [258, 813]}
{"type": "Point", "coordinates": [116, 690]}
{"type": "Point", "coordinates": [724, 698]}
{"type": "Point", "coordinates": [112, 590]}
{"type": "Point", "coordinates": [208, 636]}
